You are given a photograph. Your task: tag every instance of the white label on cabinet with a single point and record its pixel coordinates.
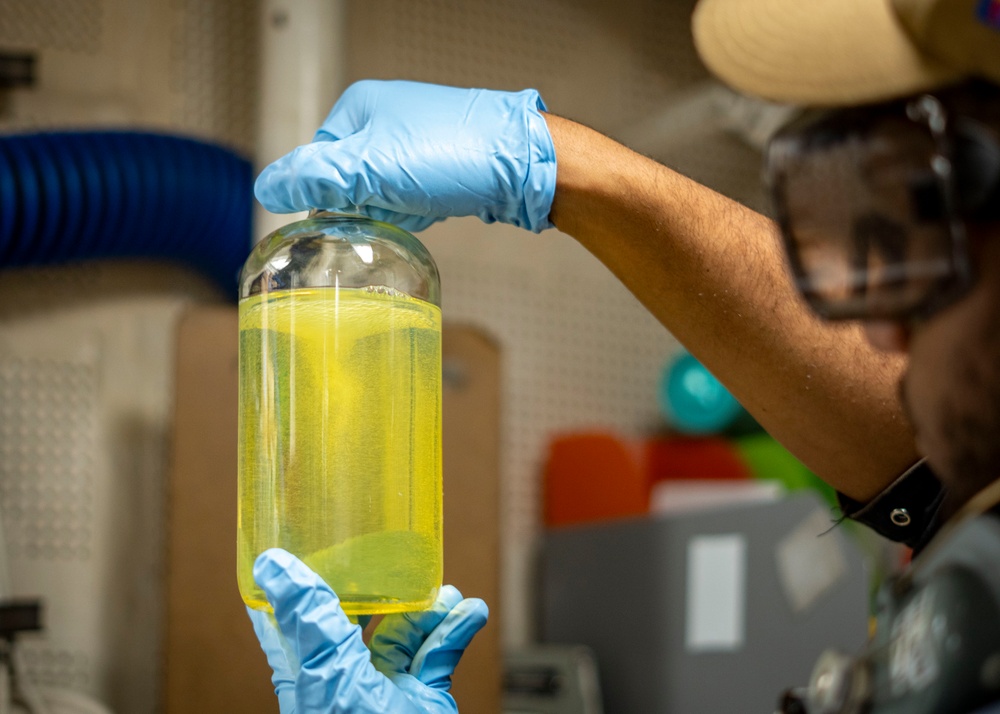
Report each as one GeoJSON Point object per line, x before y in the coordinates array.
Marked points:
{"type": "Point", "coordinates": [716, 593]}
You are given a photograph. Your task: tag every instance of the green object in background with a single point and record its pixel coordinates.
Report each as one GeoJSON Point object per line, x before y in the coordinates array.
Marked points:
{"type": "Point", "coordinates": [767, 459]}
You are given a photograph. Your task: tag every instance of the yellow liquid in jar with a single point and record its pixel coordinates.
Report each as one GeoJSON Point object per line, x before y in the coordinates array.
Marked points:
{"type": "Point", "coordinates": [340, 443]}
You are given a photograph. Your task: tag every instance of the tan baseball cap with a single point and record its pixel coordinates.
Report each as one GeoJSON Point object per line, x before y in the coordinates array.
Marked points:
{"type": "Point", "coordinates": [837, 52]}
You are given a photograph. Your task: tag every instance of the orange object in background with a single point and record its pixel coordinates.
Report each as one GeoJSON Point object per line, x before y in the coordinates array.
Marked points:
{"type": "Point", "coordinates": [592, 477]}
{"type": "Point", "coordinates": [598, 476]}
{"type": "Point", "coordinates": [694, 458]}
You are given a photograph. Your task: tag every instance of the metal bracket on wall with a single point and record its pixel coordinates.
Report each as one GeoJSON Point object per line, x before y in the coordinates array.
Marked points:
{"type": "Point", "coordinates": [17, 69]}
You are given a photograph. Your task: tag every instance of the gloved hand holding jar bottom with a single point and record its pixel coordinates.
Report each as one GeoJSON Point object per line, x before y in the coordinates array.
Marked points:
{"type": "Point", "coordinates": [321, 663]}
{"type": "Point", "coordinates": [886, 195]}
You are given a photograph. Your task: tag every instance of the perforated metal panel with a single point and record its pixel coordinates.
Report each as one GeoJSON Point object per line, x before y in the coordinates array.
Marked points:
{"type": "Point", "coordinates": [214, 69]}
{"type": "Point", "coordinates": [73, 25]}
{"type": "Point", "coordinates": [599, 62]}
{"type": "Point", "coordinates": [47, 442]}
{"type": "Point", "coordinates": [54, 667]}
{"type": "Point", "coordinates": [185, 66]}
{"type": "Point", "coordinates": [47, 447]}
{"type": "Point", "coordinates": [86, 357]}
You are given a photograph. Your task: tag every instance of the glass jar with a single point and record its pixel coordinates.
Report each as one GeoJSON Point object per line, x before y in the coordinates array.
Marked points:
{"type": "Point", "coordinates": [340, 411]}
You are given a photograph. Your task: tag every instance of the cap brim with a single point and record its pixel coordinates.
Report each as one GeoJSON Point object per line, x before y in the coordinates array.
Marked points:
{"type": "Point", "coordinates": [813, 53]}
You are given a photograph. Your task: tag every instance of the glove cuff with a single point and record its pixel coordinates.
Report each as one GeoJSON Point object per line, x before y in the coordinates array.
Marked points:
{"type": "Point", "coordinates": [539, 187]}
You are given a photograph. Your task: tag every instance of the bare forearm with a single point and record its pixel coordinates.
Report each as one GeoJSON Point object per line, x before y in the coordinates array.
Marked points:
{"type": "Point", "coordinates": [712, 272]}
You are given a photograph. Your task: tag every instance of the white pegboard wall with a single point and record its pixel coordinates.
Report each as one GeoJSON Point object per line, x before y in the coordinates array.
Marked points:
{"type": "Point", "coordinates": [86, 365]}
{"type": "Point", "coordinates": [47, 442]}
{"type": "Point", "coordinates": [213, 69]}
{"type": "Point", "coordinates": [73, 25]}
{"type": "Point", "coordinates": [47, 446]}
{"type": "Point", "coordinates": [601, 63]}
{"type": "Point", "coordinates": [181, 66]}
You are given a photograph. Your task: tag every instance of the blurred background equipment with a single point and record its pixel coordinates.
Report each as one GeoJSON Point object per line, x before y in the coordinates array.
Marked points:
{"type": "Point", "coordinates": [18, 692]}
{"type": "Point", "coordinates": [709, 610]}
{"type": "Point", "coordinates": [17, 69]}
{"type": "Point", "coordinates": [86, 392]}
{"type": "Point", "coordinates": [551, 679]}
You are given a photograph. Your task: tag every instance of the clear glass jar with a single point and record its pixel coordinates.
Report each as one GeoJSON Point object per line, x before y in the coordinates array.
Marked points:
{"type": "Point", "coordinates": [340, 411]}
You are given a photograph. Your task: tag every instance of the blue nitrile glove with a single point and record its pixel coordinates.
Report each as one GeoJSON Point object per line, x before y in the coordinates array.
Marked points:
{"type": "Point", "coordinates": [322, 666]}
{"type": "Point", "coordinates": [412, 154]}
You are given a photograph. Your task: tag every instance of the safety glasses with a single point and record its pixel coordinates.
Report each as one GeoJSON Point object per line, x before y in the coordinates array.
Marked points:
{"type": "Point", "coordinates": [872, 204]}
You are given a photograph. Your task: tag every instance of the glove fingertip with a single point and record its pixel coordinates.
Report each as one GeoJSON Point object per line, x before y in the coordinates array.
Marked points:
{"type": "Point", "coordinates": [461, 624]}
{"type": "Point", "coordinates": [270, 563]}
{"type": "Point", "coordinates": [475, 611]}
{"type": "Point", "coordinates": [464, 621]}
{"type": "Point", "coordinates": [282, 576]}
{"type": "Point", "coordinates": [271, 193]}
{"type": "Point", "coordinates": [437, 658]}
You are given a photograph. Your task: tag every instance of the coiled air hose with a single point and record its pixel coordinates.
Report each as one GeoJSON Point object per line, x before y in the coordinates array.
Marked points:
{"type": "Point", "coordinates": [69, 196]}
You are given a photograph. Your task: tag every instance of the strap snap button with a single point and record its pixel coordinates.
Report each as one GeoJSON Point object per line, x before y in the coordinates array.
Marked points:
{"type": "Point", "coordinates": [900, 517]}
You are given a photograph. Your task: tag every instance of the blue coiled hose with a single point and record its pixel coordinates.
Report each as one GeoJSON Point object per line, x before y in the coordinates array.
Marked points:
{"type": "Point", "coordinates": [67, 196]}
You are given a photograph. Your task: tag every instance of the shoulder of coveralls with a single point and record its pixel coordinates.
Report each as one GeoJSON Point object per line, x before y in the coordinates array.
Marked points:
{"type": "Point", "coordinates": [908, 511]}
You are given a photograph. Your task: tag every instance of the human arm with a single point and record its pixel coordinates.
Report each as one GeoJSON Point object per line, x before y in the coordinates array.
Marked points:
{"type": "Point", "coordinates": [712, 271]}
{"type": "Point", "coordinates": [321, 664]}
{"type": "Point", "coordinates": [708, 268]}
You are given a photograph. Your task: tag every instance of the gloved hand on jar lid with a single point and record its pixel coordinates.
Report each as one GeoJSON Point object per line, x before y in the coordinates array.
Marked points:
{"type": "Point", "coordinates": [321, 664]}
{"type": "Point", "coordinates": [413, 154]}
